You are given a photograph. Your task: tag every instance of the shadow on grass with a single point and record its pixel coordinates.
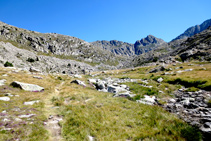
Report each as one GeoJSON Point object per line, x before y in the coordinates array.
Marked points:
{"type": "Point", "coordinates": [198, 84]}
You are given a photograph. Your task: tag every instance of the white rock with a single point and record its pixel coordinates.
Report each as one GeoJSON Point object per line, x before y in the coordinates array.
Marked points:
{"type": "Point", "coordinates": [172, 100]}
{"type": "Point", "coordinates": [2, 82]}
{"type": "Point", "coordinates": [5, 120]}
{"type": "Point", "coordinates": [123, 86]}
{"type": "Point", "coordinates": [32, 69]}
{"type": "Point", "coordinates": [188, 70]}
{"type": "Point", "coordinates": [5, 98]}
{"type": "Point", "coordinates": [26, 116]}
{"type": "Point", "coordinates": [180, 71]}
{"type": "Point", "coordinates": [147, 100]}
{"type": "Point", "coordinates": [37, 77]}
{"type": "Point", "coordinates": [91, 138]}
{"type": "Point", "coordinates": [31, 102]}
{"type": "Point", "coordinates": [77, 76]}
{"type": "Point", "coordinates": [27, 87]}
{"type": "Point", "coordinates": [114, 89]}
{"type": "Point", "coordinates": [79, 82]}
{"type": "Point", "coordinates": [160, 80]}
{"type": "Point", "coordinates": [18, 119]}
{"type": "Point", "coordinates": [5, 75]}
{"type": "Point", "coordinates": [4, 111]}
{"type": "Point", "coordinates": [92, 80]}
{"type": "Point", "coordinates": [9, 94]}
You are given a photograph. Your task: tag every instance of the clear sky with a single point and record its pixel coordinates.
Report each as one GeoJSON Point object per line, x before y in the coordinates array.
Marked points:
{"type": "Point", "coordinates": [91, 20]}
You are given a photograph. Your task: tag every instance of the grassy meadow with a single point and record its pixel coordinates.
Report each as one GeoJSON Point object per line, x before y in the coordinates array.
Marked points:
{"type": "Point", "coordinates": [88, 112]}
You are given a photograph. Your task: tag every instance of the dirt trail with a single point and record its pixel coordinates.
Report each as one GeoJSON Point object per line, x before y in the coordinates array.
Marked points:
{"type": "Point", "coordinates": [52, 125]}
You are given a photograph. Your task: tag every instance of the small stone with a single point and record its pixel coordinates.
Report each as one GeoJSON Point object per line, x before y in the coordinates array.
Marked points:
{"type": "Point", "coordinates": [37, 77]}
{"type": "Point", "coordinates": [91, 138]}
{"type": "Point", "coordinates": [5, 98]}
{"type": "Point", "coordinates": [31, 102]}
{"type": "Point", "coordinates": [79, 82]}
{"type": "Point", "coordinates": [77, 76]}
{"type": "Point", "coordinates": [172, 100]}
{"type": "Point", "coordinates": [9, 94]}
{"type": "Point", "coordinates": [26, 116]}
{"type": "Point", "coordinates": [2, 82]}
{"type": "Point", "coordinates": [160, 79]}
{"type": "Point", "coordinates": [32, 69]}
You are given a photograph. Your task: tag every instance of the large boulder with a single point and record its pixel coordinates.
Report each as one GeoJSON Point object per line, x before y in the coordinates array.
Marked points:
{"type": "Point", "coordinates": [27, 87]}
{"type": "Point", "coordinates": [148, 100]}
{"type": "Point", "coordinates": [115, 89]}
{"type": "Point", "coordinates": [79, 82]}
{"type": "Point", "coordinates": [32, 69]}
{"type": "Point", "coordinates": [157, 69]}
{"type": "Point", "coordinates": [5, 98]}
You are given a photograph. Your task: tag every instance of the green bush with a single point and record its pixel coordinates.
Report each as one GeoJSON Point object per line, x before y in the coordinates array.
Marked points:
{"type": "Point", "coordinates": [31, 60]}
{"type": "Point", "coordinates": [191, 134]}
{"type": "Point", "coordinates": [192, 89]}
{"type": "Point", "coordinates": [8, 64]}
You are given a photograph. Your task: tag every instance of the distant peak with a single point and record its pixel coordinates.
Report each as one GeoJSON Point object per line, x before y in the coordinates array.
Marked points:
{"type": "Point", "coordinates": [150, 39]}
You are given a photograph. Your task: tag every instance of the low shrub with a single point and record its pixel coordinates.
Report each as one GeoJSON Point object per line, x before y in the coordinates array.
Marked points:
{"type": "Point", "coordinates": [8, 64]}
{"type": "Point", "coordinates": [31, 60]}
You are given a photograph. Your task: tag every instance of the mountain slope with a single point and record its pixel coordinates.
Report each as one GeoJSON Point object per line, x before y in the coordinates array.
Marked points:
{"type": "Point", "coordinates": [194, 30]}
{"type": "Point", "coordinates": [147, 44]}
{"type": "Point", "coordinates": [59, 46]}
{"type": "Point", "coordinates": [127, 49]}
{"type": "Point", "coordinates": [116, 47]}
{"type": "Point", "coordinates": [195, 47]}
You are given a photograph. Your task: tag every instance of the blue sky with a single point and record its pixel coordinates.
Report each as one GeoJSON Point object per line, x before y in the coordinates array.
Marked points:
{"type": "Point", "coordinates": [91, 20]}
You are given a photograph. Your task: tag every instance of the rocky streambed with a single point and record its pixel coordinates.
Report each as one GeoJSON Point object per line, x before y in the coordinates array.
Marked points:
{"type": "Point", "coordinates": [194, 108]}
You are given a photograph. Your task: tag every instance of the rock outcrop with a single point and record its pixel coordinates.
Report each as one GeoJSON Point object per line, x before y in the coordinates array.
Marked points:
{"type": "Point", "coordinates": [193, 107]}
{"type": "Point", "coordinates": [127, 49]}
{"type": "Point", "coordinates": [27, 87]}
{"type": "Point", "coordinates": [55, 45]}
{"type": "Point", "coordinates": [194, 30]}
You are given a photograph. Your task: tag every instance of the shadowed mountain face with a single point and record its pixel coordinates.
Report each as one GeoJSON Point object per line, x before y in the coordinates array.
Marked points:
{"type": "Point", "coordinates": [196, 47]}
{"type": "Point", "coordinates": [122, 48]}
{"type": "Point", "coordinates": [57, 45]}
{"type": "Point", "coordinates": [147, 44]}
{"type": "Point", "coordinates": [194, 30]}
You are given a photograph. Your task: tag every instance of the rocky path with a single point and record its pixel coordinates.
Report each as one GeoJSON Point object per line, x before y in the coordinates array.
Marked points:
{"type": "Point", "coordinates": [52, 125]}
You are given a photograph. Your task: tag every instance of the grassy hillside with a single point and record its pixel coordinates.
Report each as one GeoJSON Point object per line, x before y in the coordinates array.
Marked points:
{"type": "Point", "coordinates": [88, 113]}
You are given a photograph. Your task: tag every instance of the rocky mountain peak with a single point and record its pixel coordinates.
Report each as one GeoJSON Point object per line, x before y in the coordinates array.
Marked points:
{"type": "Point", "coordinates": [150, 39]}
{"type": "Point", "coordinates": [194, 30]}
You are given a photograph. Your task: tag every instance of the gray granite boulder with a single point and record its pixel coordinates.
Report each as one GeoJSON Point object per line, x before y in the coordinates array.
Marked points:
{"type": "Point", "coordinates": [27, 87]}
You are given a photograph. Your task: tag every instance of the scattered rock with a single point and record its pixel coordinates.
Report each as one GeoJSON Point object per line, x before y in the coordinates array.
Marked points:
{"type": "Point", "coordinates": [26, 116]}
{"type": "Point", "coordinates": [157, 69]}
{"type": "Point", "coordinates": [37, 77]}
{"type": "Point", "coordinates": [2, 82]}
{"type": "Point", "coordinates": [27, 87]}
{"type": "Point", "coordinates": [4, 98]}
{"type": "Point", "coordinates": [9, 94]}
{"type": "Point", "coordinates": [91, 138]}
{"type": "Point", "coordinates": [193, 108]}
{"type": "Point", "coordinates": [4, 75]}
{"type": "Point", "coordinates": [148, 100]}
{"type": "Point", "coordinates": [31, 102]}
{"type": "Point", "coordinates": [32, 69]}
{"type": "Point", "coordinates": [188, 70]}
{"type": "Point", "coordinates": [160, 79]}
{"type": "Point", "coordinates": [79, 82]}
{"type": "Point", "coordinates": [77, 76]}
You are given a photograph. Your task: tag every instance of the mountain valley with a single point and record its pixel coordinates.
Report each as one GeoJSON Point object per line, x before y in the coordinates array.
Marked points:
{"type": "Point", "coordinates": [57, 87]}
